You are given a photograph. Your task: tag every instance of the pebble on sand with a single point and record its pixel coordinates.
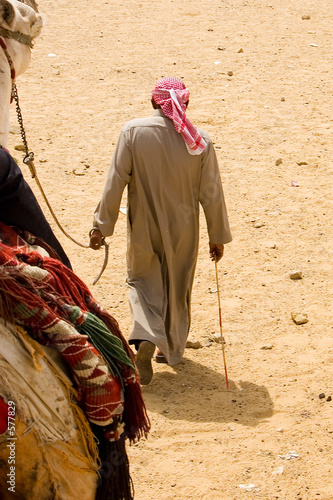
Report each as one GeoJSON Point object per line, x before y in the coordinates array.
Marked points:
{"type": "Point", "coordinates": [193, 344]}
{"type": "Point", "coordinates": [299, 318]}
{"type": "Point", "coordinates": [258, 224]}
{"type": "Point", "coordinates": [78, 171]}
{"type": "Point", "coordinates": [218, 338]}
{"type": "Point", "coordinates": [296, 275]}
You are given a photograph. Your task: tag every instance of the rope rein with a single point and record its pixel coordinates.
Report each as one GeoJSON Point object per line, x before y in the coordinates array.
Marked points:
{"type": "Point", "coordinates": [29, 161]}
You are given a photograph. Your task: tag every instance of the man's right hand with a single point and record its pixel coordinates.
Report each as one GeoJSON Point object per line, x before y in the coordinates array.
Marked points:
{"type": "Point", "coordinates": [96, 239]}
{"type": "Point", "coordinates": [216, 251]}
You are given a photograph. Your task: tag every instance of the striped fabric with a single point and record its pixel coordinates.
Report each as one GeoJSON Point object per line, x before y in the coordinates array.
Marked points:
{"type": "Point", "coordinates": [172, 95]}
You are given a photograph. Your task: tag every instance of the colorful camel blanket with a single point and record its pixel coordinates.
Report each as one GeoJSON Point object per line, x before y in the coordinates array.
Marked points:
{"type": "Point", "coordinates": [58, 310]}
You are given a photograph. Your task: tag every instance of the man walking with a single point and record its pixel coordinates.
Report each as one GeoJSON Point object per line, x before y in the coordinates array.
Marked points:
{"type": "Point", "coordinates": [170, 167]}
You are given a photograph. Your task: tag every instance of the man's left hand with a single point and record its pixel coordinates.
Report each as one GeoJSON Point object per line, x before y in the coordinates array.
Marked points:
{"type": "Point", "coordinates": [96, 239]}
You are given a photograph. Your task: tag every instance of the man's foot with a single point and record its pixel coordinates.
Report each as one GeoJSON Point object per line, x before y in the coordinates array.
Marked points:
{"type": "Point", "coordinates": [143, 361]}
{"type": "Point", "coordinates": [160, 358]}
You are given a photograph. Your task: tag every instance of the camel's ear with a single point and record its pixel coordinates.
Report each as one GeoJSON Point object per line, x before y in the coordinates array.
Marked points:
{"type": "Point", "coordinates": [7, 12]}
{"type": "Point", "coordinates": [31, 3]}
{"type": "Point", "coordinates": [34, 5]}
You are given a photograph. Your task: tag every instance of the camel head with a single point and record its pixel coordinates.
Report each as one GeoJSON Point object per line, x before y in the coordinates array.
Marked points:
{"type": "Point", "coordinates": [20, 17]}
{"type": "Point", "coordinates": [20, 24]}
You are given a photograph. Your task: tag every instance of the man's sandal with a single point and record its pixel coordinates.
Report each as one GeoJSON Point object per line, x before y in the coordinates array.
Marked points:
{"type": "Point", "coordinates": [160, 358]}
{"type": "Point", "coordinates": [143, 361]}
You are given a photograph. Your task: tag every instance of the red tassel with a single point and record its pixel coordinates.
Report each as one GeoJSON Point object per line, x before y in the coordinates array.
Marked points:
{"type": "Point", "coordinates": [66, 282]}
{"type": "Point", "coordinates": [17, 289]}
{"type": "Point", "coordinates": [135, 417]}
{"type": "Point", "coordinates": [3, 416]}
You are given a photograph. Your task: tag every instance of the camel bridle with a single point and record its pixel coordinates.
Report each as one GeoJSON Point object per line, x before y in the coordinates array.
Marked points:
{"type": "Point", "coordinates": [17, 35]}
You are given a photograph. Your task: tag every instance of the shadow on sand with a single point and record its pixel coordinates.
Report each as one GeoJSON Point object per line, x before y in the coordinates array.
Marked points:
{"type": "Point", "coordinates": [197, 393]}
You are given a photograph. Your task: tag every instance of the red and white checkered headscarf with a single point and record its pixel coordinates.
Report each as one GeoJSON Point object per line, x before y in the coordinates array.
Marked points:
{"type": "Point", "coordinates": [172, 95]}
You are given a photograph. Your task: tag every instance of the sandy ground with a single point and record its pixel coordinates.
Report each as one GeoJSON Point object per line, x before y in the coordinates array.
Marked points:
{"type": "Point", "coordinates": [260, 77]}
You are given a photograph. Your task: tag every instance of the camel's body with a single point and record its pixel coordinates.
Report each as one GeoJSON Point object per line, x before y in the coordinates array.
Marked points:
{"type": "Point", "coordinates": [50, 436]}
{"type": "Point", "coordinates": [49, 440]}
{"type": "Point", "coordinates": [15, 16]}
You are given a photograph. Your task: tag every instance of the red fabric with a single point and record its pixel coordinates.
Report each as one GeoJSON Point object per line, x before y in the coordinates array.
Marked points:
{"type": "Point", "coordinates": [172, 95]}
{"type": "Point", "coordinates": [3, 416]}
{"type": "Point", "coordinates": [43, 304]}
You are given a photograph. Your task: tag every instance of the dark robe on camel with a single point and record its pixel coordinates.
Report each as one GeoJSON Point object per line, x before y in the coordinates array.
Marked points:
{"type": "Point", "coordinates": [20, 208]}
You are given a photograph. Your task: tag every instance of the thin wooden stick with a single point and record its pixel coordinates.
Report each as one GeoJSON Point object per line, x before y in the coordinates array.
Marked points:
{"type": "Point", "coordinates": [220, 320]}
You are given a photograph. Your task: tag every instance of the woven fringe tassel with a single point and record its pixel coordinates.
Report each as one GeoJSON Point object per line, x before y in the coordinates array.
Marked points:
{"type": "Point", "coordinates": [115, 482]}
{"type": "Point", "coordinates": [135, 417]}
{"type": "Point", "coordinates": [67, 283]}
{"type": "Point", "coordinates": [17, 288]}
{"type": "Point", "coordinates": [108, 345]}
{"type": "Point", "coordinates": [113, 326]}
{"type": "Point", "coordinates": [3, 416]}
{"type": "Point", "coordinates": [6, 300]}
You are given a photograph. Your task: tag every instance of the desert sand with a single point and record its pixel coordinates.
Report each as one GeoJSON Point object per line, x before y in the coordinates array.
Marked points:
{"type": "Point", "coordinates": [260, 78]}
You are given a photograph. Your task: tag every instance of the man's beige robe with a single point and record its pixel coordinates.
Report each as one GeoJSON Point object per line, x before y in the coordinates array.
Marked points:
{"type": "Point", "coordinates": [165, 186]}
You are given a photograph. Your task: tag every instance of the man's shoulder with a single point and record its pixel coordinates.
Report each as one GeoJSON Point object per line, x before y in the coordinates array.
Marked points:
{"type": "Point", "coordinates": [138, 122]}
{"type": "Point", "coordinates": [204, 134]}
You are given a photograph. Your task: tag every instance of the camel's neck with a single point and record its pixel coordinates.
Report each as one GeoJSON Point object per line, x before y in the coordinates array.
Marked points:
{"type": "Point", "coordinates": [20, 55]}
{"type": "Point", "coordinates": [5, 93]}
